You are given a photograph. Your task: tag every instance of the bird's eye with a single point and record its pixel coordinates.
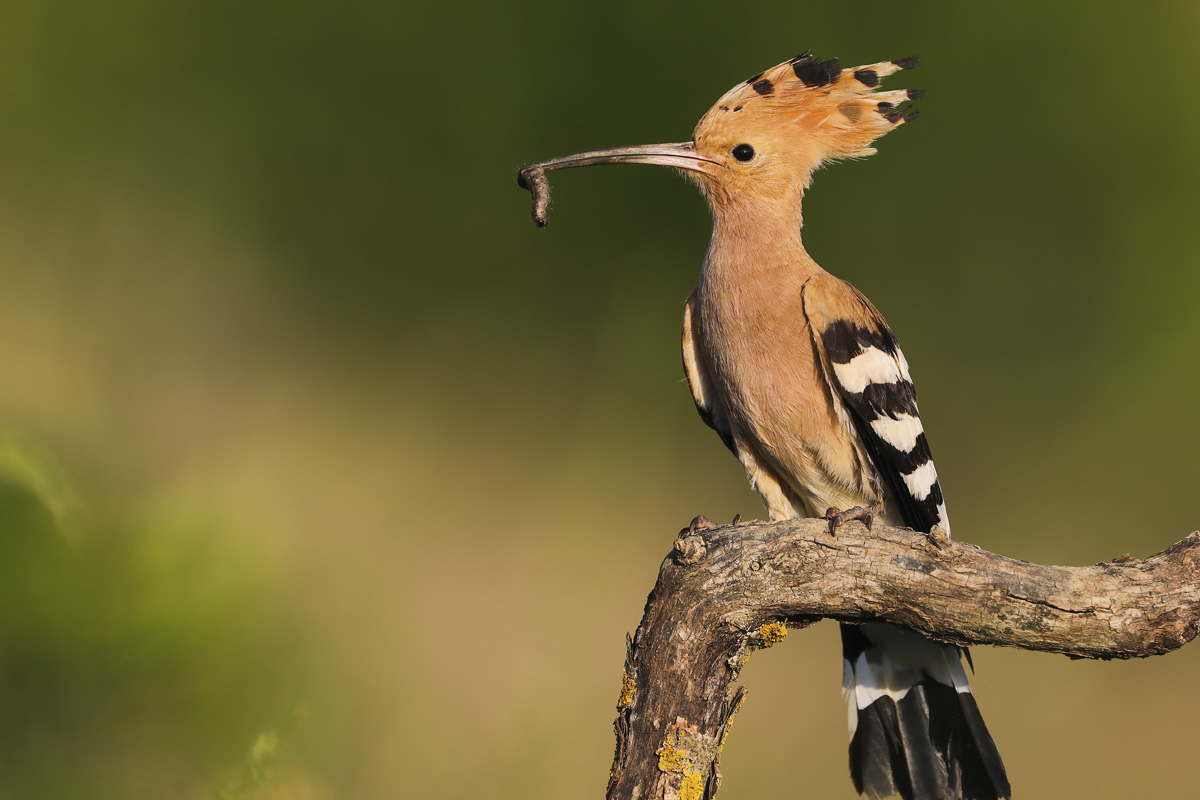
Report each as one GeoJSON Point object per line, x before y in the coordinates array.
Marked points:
{"type": "Point", "coordinates": [743, 152]}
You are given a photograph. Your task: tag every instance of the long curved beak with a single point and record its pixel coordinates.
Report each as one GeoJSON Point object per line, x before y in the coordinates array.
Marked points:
{"type": "Point", "coordinates": [681, 155]}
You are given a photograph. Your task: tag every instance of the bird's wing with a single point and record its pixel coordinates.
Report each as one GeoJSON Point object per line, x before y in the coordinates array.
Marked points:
{"type": "Point", "coordinates": [870, 383]}
{"type": "Point", "coordinates": [698, 381]}
{"type": "Point", "coordinates": [904, 691]}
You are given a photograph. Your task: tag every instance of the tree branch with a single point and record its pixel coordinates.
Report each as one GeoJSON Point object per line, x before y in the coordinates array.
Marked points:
{"type": "Point", "coordinates": [725, 592]}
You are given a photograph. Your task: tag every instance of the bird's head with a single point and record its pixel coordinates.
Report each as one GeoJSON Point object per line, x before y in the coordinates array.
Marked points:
{"type": "Point", "coordinates": [766, 136]}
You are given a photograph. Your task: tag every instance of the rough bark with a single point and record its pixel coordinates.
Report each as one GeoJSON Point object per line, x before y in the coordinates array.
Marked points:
{"type": "Point", "coordinates": [725, 592]}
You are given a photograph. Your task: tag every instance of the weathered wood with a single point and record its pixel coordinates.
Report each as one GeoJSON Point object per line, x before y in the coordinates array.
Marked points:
{"type": "Point", "coordinates": [724, 592]}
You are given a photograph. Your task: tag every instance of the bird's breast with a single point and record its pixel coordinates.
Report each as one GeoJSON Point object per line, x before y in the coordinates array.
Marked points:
{"type": "Point", "coordinates": [758, 345]}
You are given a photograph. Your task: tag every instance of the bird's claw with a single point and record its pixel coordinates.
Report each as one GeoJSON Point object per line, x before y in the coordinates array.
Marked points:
{"type": "Point", "coordinates": [865, 515]}
{"type": "Point", "coordinates": [703, 523]}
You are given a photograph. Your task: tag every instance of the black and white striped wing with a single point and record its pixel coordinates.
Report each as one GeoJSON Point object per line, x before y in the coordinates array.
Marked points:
{"type": "Point", "coordinates": [871, 383]}
{"type": "Point", "coordinates": [916, 730]}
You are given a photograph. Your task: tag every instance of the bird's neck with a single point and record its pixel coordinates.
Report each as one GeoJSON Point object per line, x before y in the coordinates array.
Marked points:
{"type": "Point", "coordinates": [757, 239]}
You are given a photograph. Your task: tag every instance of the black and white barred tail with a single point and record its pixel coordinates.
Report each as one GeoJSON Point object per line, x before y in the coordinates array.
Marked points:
{"type": "Point", "coordinates": [915, 728]}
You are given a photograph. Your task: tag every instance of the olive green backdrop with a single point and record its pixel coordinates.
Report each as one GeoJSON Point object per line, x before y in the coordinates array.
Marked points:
{"type": "Point", "coordinates": [324, 474]}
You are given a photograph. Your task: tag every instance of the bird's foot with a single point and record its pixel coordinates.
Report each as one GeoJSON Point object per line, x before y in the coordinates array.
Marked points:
{"type": "Point", "coordinates": [703, 523]}
{"type": "Point", "coordinates": [937, 537]}
{"type": "Point", "coordinates": [865, 515]}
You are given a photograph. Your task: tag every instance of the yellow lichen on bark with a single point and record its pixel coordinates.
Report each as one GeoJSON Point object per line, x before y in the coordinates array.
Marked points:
{"type": "Point", "coordinates": [772, 633]}
{"type": "Point", "coordinates": [692, 786]}
{"type": "Point", "coordinates": [628, 687]}
{"type": "Point", "coordinates": [672, 759]}
{"type": "Point", "coordinates": [679, 755]}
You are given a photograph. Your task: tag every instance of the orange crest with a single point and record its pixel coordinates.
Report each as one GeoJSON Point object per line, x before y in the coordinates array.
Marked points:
{"type": "Point", "coordinates": [806, 112]}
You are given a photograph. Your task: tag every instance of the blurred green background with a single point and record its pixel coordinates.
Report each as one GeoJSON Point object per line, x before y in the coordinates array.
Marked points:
{"type": "Point", "coordinates": [324, 474]}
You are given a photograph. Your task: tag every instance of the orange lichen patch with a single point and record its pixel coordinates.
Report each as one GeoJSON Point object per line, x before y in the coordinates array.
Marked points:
{"type": "Point", "coordinates": [628, 687]}
{"type": "Point", "coordinates": [690, 755]}
{"type": "Point", "coordinates": [672, 759]}
{"type": "Point", "coordinates": [692, 786]}
{"type": "Point", "coordinates": [772, 633]}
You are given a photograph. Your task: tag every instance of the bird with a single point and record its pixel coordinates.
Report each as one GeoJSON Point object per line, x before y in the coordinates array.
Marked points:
{"type": "Point", "coordinates": [805, 383]}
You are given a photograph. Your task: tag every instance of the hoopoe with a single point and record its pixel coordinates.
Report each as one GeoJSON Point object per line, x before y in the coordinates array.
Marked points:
{"type": "Point", "coordinates": [805, 383]}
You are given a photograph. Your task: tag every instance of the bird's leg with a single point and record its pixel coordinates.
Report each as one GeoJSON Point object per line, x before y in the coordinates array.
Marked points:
{"type": "Point", "coordinates": [737, 519]}
{"type": "Point", "coordinates": [866, 515]}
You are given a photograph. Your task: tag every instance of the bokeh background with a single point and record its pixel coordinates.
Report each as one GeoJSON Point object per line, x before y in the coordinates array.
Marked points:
{"type": "Point", "coordinates": [324, 474]}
